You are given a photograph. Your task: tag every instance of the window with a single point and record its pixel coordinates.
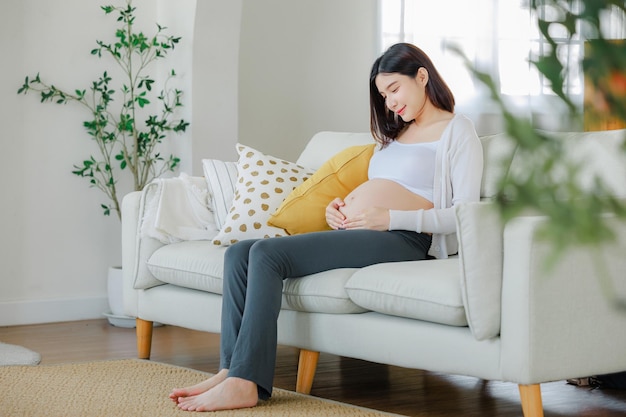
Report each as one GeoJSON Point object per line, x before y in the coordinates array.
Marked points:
{"type": "Point", "coordinates": [499, 37]}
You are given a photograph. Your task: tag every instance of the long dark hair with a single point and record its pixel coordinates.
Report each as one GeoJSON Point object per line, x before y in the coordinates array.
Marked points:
{"type": "Point", "coordinates": [405, 59]}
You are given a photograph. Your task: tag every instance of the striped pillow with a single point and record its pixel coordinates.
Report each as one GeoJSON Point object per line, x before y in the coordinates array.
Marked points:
{"type": "Point", "coordinates": [221, 177]}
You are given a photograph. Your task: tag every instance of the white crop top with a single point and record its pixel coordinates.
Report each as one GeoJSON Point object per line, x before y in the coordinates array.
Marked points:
{"type": "Point", "coordinates": [410, 165]}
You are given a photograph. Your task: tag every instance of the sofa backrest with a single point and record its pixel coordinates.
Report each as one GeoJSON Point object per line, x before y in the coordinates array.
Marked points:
{"type": "Point", "coordinates": [598, 152]}
{"type": "Point", "coordinates": [324, 145]}
{"type": "Point", "coordinates": [480, 231]}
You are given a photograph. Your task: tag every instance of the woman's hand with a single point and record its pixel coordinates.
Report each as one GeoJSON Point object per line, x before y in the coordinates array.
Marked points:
{"type": "Point", "coordinates": [374, 218]}
{"type": "Point", "coordinates": [334, 218]}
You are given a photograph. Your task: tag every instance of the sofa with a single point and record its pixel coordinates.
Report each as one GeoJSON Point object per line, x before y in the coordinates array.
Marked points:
{"type": "Point", "coordinates": [494, 311]}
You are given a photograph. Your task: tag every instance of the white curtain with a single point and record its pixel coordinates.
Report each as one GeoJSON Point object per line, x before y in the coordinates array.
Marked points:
{"type": "Point", "coordinates": [499, 37]}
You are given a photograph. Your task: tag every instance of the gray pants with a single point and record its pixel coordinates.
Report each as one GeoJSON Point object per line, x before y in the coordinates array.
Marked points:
{"type": "Point", "coordinates": [253, 281]}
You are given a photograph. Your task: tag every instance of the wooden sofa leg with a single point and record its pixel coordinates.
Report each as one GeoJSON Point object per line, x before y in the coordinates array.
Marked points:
{"type": "Point", "coordinates": [530, 396]}
{"type": "Point", "coordinates": [307, 364]}
{"type": "Point", "coordinates": [144, 338]}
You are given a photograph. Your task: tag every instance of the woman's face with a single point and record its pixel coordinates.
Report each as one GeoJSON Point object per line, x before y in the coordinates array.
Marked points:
{"type": "Point", "coordinates": [404, 95]}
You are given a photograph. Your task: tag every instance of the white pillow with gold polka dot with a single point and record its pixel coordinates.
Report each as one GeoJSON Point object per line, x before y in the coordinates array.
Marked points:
{"type": "Point", "coordinates": [263, 182]}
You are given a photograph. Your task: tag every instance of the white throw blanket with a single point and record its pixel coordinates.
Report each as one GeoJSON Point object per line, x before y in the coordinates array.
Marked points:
{"type": "Point", "coordinates": [177, 209]}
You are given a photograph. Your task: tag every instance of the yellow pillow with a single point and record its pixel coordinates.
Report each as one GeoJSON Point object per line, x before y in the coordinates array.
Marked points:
{"type": "Point", "coordinates": [304, 208]}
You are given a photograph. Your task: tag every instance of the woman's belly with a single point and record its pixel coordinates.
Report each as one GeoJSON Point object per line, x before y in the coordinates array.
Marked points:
{"type": "Point", "coordinates": [382, 193]}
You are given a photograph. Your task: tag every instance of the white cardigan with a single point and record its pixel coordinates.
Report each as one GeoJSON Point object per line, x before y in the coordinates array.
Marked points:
{"type": "Point", "coordinates": [458, 175]}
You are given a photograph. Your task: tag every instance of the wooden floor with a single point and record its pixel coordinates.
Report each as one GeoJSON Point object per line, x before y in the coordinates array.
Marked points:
{"type": "Point", "coordinates": [403, 391]}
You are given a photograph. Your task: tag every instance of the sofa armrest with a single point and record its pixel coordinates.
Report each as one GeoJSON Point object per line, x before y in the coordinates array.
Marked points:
{"type": "Point", "coordinates": [560, 323]}
{"type": "Point", "coordinates": [136, 249]}
{"type": "Point", "coordinates": [130, 220]}
{"type": "Point", "coordinates": [479, 233]}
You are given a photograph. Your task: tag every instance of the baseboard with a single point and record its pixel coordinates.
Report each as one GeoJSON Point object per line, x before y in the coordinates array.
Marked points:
{"type": "Point", "coordinates": [13, 313]}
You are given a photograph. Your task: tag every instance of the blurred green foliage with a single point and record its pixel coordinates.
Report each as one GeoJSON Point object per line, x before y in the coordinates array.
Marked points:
{"type": "Point", "coordinates": [550, 184]}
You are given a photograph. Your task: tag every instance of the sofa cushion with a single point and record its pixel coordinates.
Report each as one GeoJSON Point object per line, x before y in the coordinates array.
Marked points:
{"type": "Point", "coordinates": [304, 209]}
{"type": "Point", "coordinates": [425, 290]}
{"type": "Point", "coordinates": [323, 292]}
{"type": "Point", "coordinates": [263, 183]}
{"type": "Point", "coordinates": [193, 264]}
{"type": "Point", "coordinates": [479, 231]}
{"type": "Point", "coordinates": [199, 265]}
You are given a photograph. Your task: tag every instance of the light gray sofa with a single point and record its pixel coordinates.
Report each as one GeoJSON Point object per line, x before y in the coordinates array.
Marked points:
{"type": "Point", "coordinates": [493, 312]}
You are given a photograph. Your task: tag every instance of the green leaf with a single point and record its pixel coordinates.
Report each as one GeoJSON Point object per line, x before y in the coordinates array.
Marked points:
{"type": "Point", "coordinates": [142, 101]}
{"type": "Point", "coordinates": [24, 88]}
{"type": "Point", "coordinates": [181, 126]}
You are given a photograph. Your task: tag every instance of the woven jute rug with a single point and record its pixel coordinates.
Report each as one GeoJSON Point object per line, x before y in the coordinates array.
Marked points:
{"type": "Point", "coordinates": [134, 388]}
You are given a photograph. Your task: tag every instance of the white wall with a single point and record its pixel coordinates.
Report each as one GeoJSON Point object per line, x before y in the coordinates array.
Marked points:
{"type": "Point", "coordinates": [304, 67]}
{"type": "Point", "coordinates": [295, 68]}
{"type": "Point", "coordinates": [56, 245]}
{"type": "Point", "coordinates": [216, 69]}
{"type": "Point", "coordinates": [271, 73]}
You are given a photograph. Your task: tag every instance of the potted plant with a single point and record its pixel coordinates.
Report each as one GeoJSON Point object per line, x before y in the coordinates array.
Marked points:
{"type": "Point", "coordinates": [128, 121]}
{"type": "Point", "coordinates": [126, 135]}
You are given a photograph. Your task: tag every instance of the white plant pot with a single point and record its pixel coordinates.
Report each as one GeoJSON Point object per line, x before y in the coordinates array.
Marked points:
{"type": "Point", "coordinates": [115, 285]}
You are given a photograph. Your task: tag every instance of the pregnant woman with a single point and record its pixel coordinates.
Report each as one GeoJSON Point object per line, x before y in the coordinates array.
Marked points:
{"type": "Point", "coordinates": [429, 160]}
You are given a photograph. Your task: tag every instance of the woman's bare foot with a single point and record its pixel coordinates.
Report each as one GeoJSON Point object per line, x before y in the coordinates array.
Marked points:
{"type": "Point", "coordinates": [233, 393]}
{"type": "Point", "coordinates": [204, 386]}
